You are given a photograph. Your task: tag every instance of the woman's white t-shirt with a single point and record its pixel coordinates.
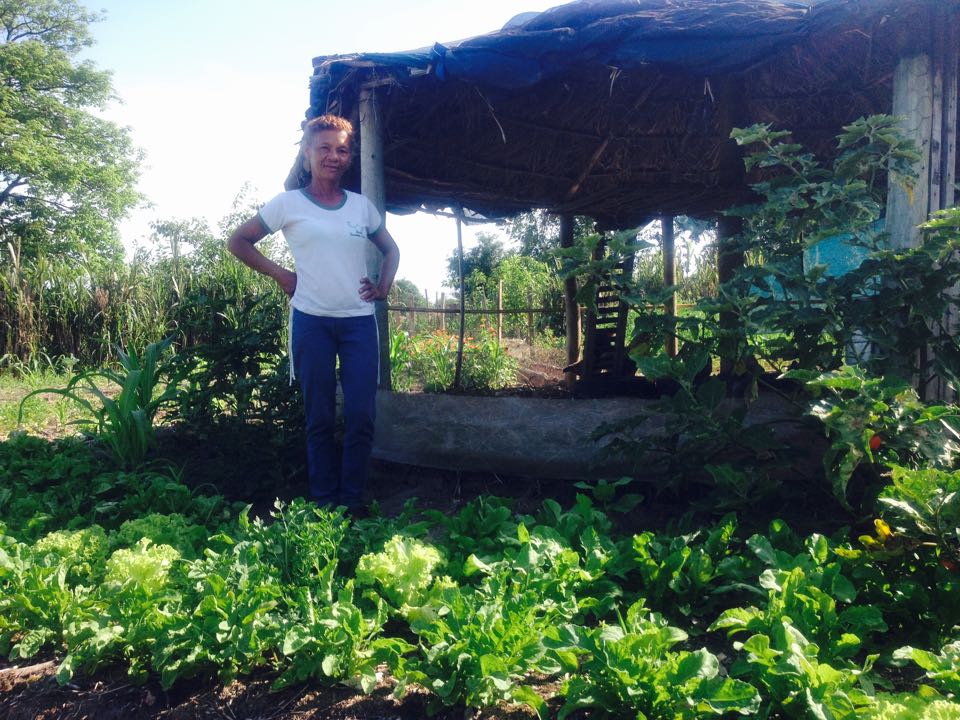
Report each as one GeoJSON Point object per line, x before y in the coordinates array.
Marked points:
{"type": "Point", "coordinates": [329, 248]}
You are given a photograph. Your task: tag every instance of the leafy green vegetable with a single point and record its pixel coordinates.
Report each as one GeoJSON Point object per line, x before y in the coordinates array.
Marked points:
{"type": "Point", "coordinates": [943, 668]}
{"type": "Point", "coordinates": [632, 667]}
{"type": "Point", "coordinates": [403, 571]}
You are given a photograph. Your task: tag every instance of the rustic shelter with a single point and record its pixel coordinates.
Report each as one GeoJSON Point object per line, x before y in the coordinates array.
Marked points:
{"type": "Point", "coordinates": [621, 109]}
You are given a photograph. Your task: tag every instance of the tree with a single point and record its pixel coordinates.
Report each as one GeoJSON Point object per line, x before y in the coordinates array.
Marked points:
{"type": "Point", "coordinates": [537, 232]}
{"type": "Point", "coordinates": [66, 176]}
{"type": "Point", "coordinates": [404, 292]}
{"type": "Point", "coordinates": [528, 282]}
{"type": "Point", "coordinates": [483, 258]}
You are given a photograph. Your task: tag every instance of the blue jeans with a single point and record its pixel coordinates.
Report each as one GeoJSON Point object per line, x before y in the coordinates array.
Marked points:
{"type": "Point", "coordinates": [317, 342]}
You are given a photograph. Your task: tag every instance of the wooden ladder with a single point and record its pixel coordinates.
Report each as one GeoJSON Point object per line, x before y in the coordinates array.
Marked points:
{"type": "Point", "coordinates": [604, 346]}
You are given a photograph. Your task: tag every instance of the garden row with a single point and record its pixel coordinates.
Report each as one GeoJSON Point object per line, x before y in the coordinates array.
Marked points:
{"type": "Point", "coordinates": [104, 566]}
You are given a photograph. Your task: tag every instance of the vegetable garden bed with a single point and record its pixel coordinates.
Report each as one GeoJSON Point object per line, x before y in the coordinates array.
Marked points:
{"type": "Point", "coordinates": [577, 608]}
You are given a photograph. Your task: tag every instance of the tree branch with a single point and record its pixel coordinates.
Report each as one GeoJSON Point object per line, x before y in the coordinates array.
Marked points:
{"type": "Point", "coordinates": [8, 190]}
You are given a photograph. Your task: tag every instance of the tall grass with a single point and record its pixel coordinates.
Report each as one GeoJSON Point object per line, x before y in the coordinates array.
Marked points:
{"type": "Point", "coordinates": [91, 308]}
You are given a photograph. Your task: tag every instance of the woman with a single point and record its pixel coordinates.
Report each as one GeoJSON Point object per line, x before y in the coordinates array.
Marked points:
{"type": "Point", "coordinates": [327, 229]}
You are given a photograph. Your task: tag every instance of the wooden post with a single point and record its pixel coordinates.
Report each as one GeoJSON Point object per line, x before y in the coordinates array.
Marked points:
{"type": "Point", "coordinates": [372, 185]}
{"type": "Point", "coordinates": [500, 312]}
{"type": "Point", "coordinates": [925, 97]}
{"type": "Point", "coordinates": [442, 314]}
{"type": "Point", "coordinates": [458, 375]}
{"type": "Point", "coordinates": [530, 316]}
{"type": "Point", "coordinates": [426, 305]}
{"type": "Point", "coordinates": [669, 280]}
{"type": "Point", "coordinates": [912, 101]}
{"type": "Point", "coordinates": [731, 113]}
{"type": "Point", "coordinates": [571, 311]}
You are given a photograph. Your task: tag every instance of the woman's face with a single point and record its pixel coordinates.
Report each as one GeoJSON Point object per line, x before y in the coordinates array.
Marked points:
{"type": "Point", "coordinates": [328, 154]}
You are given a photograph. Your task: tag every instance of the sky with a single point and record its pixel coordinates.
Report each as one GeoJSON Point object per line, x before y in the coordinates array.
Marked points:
{"type": "Point", "coordinates": [213, 92]}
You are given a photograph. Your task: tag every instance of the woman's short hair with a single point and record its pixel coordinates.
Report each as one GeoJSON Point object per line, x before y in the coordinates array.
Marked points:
{"type": "Point", "coordinates": [327, 122]}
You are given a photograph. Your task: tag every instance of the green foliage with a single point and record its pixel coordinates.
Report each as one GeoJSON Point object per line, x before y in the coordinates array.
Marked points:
{"type": "Point", "coordinates": [65, 485]}
{"type": "Point", "coordinates": [942, 668]}
{"type": "Point", "coordinates": [477, 646]}
{"type": "Point", "coordinates": [429, 362]}
{"type": "Point", "coordinates": [145, 566]}
{"type": "Point", "coordinates": [478, 528]}
{"type": "Point", "coordinates": [527, 283]}
{"type": "Point", "coordinates": [632, 667]}
{"type": "Point", "coordinates": [907, 706]}
{"type": "Point", "coordinates": [600, 619]}
{"type": "Point", "coordinates": [479, 262]}
{"type": "Point", "coordinates": [892, 304]}
{"type": "Point", "coordinates": [229, 620]}
{"type": "Point", "coordinates": [403, 570]}
{"type": "Point", "coordinates": [701, 438]}
{"type": "Point", "coordinates": [302, 541]}
{"type": "Point", "coordinates": [336, 641]}
{"type": "Point", "coordinates": [67, 175]}
{"type": "Point", "coordinates": [80, 552]}
{"type": "Point", "coordinates": [856, 407]}
{"type": "Point", "coordinates": [811, 590]}
{"type": "Point", "coordinates": [678, 575]}
{"type": "Point", "coordinates": [926, 505]}
{"type": "Point", "coordinates": [569, 577]}
{"type": "Point", "coordinates": [240, 369]}
{"type": "Point", "coordinates": [124, 422]}
{"type": "Point", "coordinates": [786, 668]}
{"type": "Point", "coordinates": [171, 529]}
{"type": "Point", "coordinates": [605, 493]}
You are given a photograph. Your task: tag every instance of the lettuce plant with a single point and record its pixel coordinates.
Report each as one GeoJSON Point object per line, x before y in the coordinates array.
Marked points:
{"type": "Point", "coordinates": [632, 667]}
{"type": "Point", "coordinates": [402, 572]}
{"type": "Point", "coordinates": [942, 669]}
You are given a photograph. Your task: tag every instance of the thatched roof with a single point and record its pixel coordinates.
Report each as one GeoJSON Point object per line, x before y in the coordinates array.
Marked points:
{"type": "Point", "coordinates": [621, 109]}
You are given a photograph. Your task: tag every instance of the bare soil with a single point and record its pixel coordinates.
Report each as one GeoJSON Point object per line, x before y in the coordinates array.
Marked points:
{"type": "Point", "coordinates": [33, 693]}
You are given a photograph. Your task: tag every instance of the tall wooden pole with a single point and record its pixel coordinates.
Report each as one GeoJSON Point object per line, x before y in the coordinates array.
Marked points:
{"type": "Point", "coordinates": [669, 281]}
{"type": "Point", "coordinates": [731, 113]}
{"type": "Point", "coordinates": [458, 375]}
{"type": "Point", "coordinates": [571, 311]}
{"type": "Point", "coordinates": [372, 185]}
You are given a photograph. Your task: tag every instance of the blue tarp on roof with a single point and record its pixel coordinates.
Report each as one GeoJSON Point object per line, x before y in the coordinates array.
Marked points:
{"type": "Point", "coordinates": [692, 35]}
{"type": "Point", "coordinates": [620, 109]}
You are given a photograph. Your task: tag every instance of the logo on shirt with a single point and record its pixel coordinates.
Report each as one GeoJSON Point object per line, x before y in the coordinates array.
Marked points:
{"type": "Point", "coordinates": [358, 231]}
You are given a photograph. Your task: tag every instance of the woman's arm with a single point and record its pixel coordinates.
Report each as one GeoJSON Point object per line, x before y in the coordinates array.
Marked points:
{"type": "Point", "coordinates": [242, 244]}
{"type": "Point", "coordinates": [388, 271]}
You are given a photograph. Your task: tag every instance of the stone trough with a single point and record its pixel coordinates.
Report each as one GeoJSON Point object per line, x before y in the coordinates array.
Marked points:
{"type": "Point", "coordinates": [532, 437]}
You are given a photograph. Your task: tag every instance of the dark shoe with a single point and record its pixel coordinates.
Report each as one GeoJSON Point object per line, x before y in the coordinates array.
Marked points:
{"type": "Point", "coordinates": [358, 512]}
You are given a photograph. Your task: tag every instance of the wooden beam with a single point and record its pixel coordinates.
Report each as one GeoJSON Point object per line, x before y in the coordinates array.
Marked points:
{"type": "Point", "coordinates": [588, 168]}
{"type": "Point", "coordinates": [571, 310]}
{"type": "Point", "coordinates": [372, 185]}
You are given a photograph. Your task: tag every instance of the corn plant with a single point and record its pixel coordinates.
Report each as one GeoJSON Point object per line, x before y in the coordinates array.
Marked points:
{"type": "Point", "coordinates": [124, 421]}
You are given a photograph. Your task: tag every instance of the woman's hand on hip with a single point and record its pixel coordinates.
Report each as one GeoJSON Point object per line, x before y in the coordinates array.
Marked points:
{"type": "Point", "coordinates": [369, 291]}
{"type": "Point", "coordinates": [287, 280]}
